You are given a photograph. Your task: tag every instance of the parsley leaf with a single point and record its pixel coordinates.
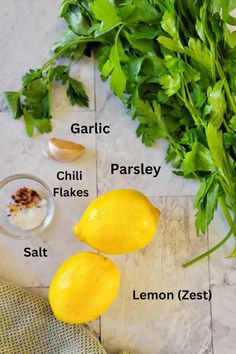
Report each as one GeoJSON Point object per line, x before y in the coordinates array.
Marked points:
{"type": "Point", "coordinates": [13, 101]}
{"type": "Point", "coordinates": [215, 142]}
{"type": "Point", "coordinates": [171, 84]}
{"type": "Point", "coordinates": [118, 78]}
{"type": "Point", "coordinates": [35, 91]}
{"type": "Point", "coordinates": [43, 125]}
{"type": "Point", "coordinates": [77, 94]}
{"type": "Point", "coordinates": [198, 96]}
{"type": "Point", "coordinates": [106, 13]}
{"type": "Point", "coordinates": [143, 11]}
{"type": "Point", "coordinates": [60, 73]}
{"type": "Point", "coordinates": [31, 75]}
{"type": "Point", "coordinates": [171, 44]}
{"type": "Point", "coordinates": [168, 25]}
{"type": "Point", "coordinates": [199, 159]}
{"type": "Point", "coordinates": [78, 23]}
{"type": "Point", "coordinates": [233, 123]}
{"type": "Point", "coordinates": [206, 202]}
{"type": "Point", "coordinates": [216, 100]}
{"type": "Point", "coordinates": [200, 53]}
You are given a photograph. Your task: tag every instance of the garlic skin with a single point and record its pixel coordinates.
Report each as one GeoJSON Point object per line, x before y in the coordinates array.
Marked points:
{"type": "Point", "coordinates": [63, 150]}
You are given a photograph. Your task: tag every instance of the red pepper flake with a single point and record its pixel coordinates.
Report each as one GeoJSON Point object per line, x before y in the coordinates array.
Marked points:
{"type": "Point", "coordinates": [23, 198]}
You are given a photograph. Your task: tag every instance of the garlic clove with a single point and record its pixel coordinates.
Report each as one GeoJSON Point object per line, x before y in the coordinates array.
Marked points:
{"type": "Point", "coordinates": [63, 150]}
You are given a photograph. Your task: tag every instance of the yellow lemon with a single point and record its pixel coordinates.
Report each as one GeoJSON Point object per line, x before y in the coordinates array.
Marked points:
{"type": "Point", "coordinates": [83, 288]}
{"type": "Point", "coordinates": [119, 221]}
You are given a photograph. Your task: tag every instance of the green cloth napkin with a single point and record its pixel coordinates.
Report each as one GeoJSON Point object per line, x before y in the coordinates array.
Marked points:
{"type": "Point", "coordinates": [27, 326]}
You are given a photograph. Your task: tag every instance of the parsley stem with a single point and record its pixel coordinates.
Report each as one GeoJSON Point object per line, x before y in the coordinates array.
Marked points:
{"type": "Point", "coordinates": [226, 86]}
{"type": "Point", "coordinates": [227, 214]}
{"type": "Point", "coordinates": [118, 32]}
{"type": "Point", "coordinates": [189, 105]}
{"type": "Point", "coordinates": [221, 243]}
{"type": "Point", "coordinates": [49, 93]}
{"type": "Point", "coordinates": [51, 61]}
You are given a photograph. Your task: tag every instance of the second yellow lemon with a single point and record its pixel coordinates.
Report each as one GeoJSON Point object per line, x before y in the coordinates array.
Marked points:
{"type": "Point", "coordinates": [83, 288]}
{"type": "Point", "coordinates": [119, 221]}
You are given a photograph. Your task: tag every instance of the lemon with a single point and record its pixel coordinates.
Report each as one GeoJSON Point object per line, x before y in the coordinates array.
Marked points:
{"type": "Point", "coordinates": [83, 288]}
{"type": "Point", "coordinates": [118, 222]}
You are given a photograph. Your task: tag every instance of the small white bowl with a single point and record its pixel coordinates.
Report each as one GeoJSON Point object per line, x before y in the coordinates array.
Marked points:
{"type": "Point", "coordinates": [8, 187]}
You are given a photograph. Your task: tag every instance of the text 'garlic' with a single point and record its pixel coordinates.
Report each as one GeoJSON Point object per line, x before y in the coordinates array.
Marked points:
{"type": "Point", "coordinates": [63, 150]}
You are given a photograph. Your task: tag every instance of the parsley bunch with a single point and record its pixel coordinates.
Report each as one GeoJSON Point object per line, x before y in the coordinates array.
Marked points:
{"type": "Point", "coordinates": [33, 101]}
{"type": "Point", "coordinates": [173, 64]}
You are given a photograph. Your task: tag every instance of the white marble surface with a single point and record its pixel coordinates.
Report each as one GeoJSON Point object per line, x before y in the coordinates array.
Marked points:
{"type": "Point", "coordinates": [167, 326]}
{"type": "Point", "coordinates": [153, 327]}
{"type": "Point", "coordinates": [223, 284]}
{"type": "Point", "coordinates": [25, 155]}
